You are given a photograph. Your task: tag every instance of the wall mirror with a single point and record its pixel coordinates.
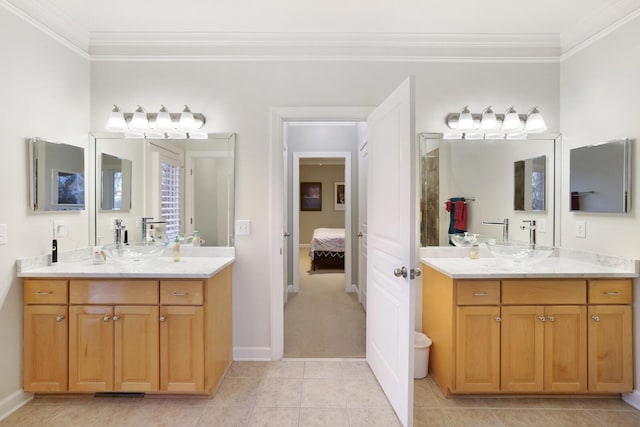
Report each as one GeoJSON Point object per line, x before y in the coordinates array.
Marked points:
{"type": "Point", "coordinates": [184, 185]}
{"type": "Point", "coordinates": [599, 177]}
{"type": "Point", "coordinates": [56, 175]}
{"type": "Point", "coordinates": [115, 183]}
{"type": "Point", "coordinates": [529, 184]}
{"type": "Point", "coordinates": [482, 172]}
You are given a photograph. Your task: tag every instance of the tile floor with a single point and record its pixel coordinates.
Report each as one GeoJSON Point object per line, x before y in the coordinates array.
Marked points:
{"type": "Point", "coordinates": [316, 393]}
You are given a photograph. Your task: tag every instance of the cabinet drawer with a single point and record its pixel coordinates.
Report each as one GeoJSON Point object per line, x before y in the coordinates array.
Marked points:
{"type": "Point", "coordinates": [113, 292]}
{"type": "Point", "coordinates": [610, 291]}
{"type": "Point", "coordinates": [48, 291]}
{"type": "Point", "coordinates": [546, 291]}
{"type": "Point", "coordinates": [478, 292]}
{"type": "Point", "coordinates": [181, 292]}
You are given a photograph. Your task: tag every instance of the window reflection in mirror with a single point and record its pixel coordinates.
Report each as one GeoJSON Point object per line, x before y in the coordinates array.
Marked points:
{"type": "Point", "coordinates": [115, 183]}
{"type": "Point", "coordinates": [599, 177]}
{"type": "Point", "coordinates": [529, 184]}
{"type": "Point", "coordinates": [57, 176]}
{"type": "Point", "coordinates": [198, 197]}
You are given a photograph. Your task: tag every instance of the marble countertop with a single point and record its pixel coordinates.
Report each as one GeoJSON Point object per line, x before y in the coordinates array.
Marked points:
{"type": "Point", "coordinates": [456, 264]}
{"type": "Point", "coordinates": [193, 264]}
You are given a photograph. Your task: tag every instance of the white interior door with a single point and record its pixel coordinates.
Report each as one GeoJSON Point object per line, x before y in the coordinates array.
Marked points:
{"type": "Point", "coordinates": [391, 248]}
{"type": "Point", "coordinates": [362, 220]}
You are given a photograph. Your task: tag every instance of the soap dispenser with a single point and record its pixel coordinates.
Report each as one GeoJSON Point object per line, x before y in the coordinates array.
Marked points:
{"type": "Point", "coordinates": [176, 249]}
{"type": "Point", "coordinates": [474, 250]}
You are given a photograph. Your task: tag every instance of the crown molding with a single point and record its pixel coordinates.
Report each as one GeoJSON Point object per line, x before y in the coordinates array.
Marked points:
{"type": "Point", "coordinates": [390, 47]}
{"type": "Point", "coordinates": [52, 22]}
{"type": "Point", "coordinates": [368, 47]}
{"type": "Point", "coordinates": [602, 21]}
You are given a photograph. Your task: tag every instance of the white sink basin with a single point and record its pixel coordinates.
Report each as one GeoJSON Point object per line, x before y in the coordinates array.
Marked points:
{"type": "Point", "coordinates": [135, 251]}
{"type": "Point", "coordinates": [519, 252]}
{"type": "Point", "coordinates": [464, 240]}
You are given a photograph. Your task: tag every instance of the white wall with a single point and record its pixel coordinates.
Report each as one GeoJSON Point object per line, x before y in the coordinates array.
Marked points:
{"type": "Point", "coordinates": [600, 89]}
{"type": "Point", "coordinates": [45, 92]}
{"type": "Point", "coordinates": [237, 97]}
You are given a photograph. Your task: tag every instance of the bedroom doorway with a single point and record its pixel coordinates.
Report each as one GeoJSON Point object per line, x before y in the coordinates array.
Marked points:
{"type": "Point", "coordinates": [323, 317]}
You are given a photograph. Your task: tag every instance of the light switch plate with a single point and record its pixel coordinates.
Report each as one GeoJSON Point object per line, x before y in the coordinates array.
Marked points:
{"type": "Point", "coordinates": [4, 238]}
{"type": "Point", "coordinates": [243, 227]}
{"type": "Point", "coordinates": [541, 225]}
{"type": "Point", "coordinates": [581, 229]}
{"type": "Point", "coordinates": [58, 228]}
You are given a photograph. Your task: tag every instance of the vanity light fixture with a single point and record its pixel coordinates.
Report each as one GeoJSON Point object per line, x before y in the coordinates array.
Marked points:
{"type": "Point", "coordinates": [488, 125]}
{"type": "Point", "coordinates": [116, 121]}
{"type": "Point", "coordinates": [535, 122]}
{"type": "Point", "coordinates": [160, 125]}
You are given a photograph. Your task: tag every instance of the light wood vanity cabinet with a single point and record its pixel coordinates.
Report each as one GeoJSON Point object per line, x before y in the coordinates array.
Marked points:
{"type": "Point", "coordinates": [45, 335]}
{"type": "Point", "coordinates": [531, 336]}
{"type": "Point", "coordinates": [129, 335]}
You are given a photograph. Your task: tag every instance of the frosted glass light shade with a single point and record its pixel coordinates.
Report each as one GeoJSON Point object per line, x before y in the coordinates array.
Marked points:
{"type": "Point", "coordinates": [465, 120]}
{"type": "Point", "coordinates": [488, 120]}
{"type": "Point", "coordinates": [163, 120]}
{"type": "Point", "coordinates": [139, 119]}
{"type": "Point", "coordinates": [535, 122]}
{"type": "Point", "coordinates": [116, 121]}
{"type": "Point", "coordinates": [186, 119]}
{"type": "Point", "coordinates": [511, 120]}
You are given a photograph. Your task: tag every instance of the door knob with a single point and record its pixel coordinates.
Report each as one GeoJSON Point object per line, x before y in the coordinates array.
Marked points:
{"type": "Point", "coordinates": [60, 318]}
{"type": "Point", "coordinates": [541, 318]}
{"type": "Point", "coordinates": [162, 318]}
{"type": "Point", "coordinates": [400, 272]}
{"type": "Point", "coordinates": [595, 318]}
{"type": "Point", "coordinates": [359, 234]}
{"type": "Point", "coordinates": [551, 318]}
{"type": "Point", "coordinates": [287, 234]}
{"type": "Point", "coordinates": [106, 318]}
{"type": "Point", "coordinates": [116, 317]}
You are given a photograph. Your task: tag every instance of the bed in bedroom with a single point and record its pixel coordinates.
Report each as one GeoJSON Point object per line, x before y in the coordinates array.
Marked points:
{"type": "Point", "coordinates": [327, 249]}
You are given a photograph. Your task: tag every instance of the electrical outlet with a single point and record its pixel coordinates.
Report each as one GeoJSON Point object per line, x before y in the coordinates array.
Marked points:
{"type": "Point", "coordinates": [58, 228]}
{"type": "Point", "coordinates": [243, 227]}
{"type": "Point", "coordinates": [4, 238]}
{"type": "Point", "coordinates": [581, 229]}
{"type": "Point", "coordinates": [541, 225]}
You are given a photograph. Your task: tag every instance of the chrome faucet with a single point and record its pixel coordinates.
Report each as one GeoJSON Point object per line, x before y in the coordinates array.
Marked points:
{"type": "Point", "coordinates": [117, 238]}
{"type": "Point", "coordinates": [505, 227]}
{"type": "Point", "coordinates": [145, 222]}
{"type": "Point", "coordinates": [532, 230]}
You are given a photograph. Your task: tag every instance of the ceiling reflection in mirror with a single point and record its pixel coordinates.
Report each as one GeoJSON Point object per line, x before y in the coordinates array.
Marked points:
{"type": "Point", "coordinates": [179, 186]}
{"type": "Point", "coordinates": [480, 175]}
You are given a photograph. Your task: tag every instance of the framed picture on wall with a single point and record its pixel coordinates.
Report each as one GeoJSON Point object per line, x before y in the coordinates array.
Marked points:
{"type": "Point", "coordinates": [338, 196]}
{"type": "Point", "coordinates": [310, 196]}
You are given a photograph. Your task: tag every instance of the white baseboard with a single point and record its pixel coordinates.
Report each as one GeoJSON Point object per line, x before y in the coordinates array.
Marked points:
{"type": "Point", "coordinates": [632, 398]}
{"type": "Point", "coordinates": [13, 402]}
{"type": "Point", "coordinates": [251, 353]}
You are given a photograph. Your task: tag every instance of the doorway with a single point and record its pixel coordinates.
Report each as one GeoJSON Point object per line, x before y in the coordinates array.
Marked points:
{"type": "Point", "coordinates": [323, 317]}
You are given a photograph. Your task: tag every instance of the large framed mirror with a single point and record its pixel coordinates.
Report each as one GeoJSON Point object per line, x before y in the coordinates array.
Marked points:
{"type": "Point", "coordinates": [180, 186]}
{"type": "Point", "coordinates": [599, 177]}
{"type": "Point", "coordinates": [57, 176]}
{"type": "Point", "coordinates": [481, 172]}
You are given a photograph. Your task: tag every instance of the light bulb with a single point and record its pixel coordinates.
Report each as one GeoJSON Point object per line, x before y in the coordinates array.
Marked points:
{"type": "Point", "coordinates": [535, 122]}
{"type": "Point", "coordinates": [139, 119]}
{"type": "Point", "coordinates": [163, 120]}
{"type": "Point", "coordinates": [511, 120]}
{"type": "Point", "coordinates": [488, 120]}
{"type": "Point", "coordinates": [186, 119]}
{"type": "Point", "coordinates": [465, 120]}
{"type": "Point", "coordinates": [116, 120]}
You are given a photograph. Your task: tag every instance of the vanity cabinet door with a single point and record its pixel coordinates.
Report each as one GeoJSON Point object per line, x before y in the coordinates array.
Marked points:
{"type": "Point", "coordinates": [136, 353]}
{"type": "Point", "coordinates": [522, 349]}
{"type": "Point", "coordinates": [182, 348]}
{"type": "Point", "coordinates": [610, 348]}
{"type": "Point", "coordinates": [90, 348]}
{"type": "Point", "coordinates": [565, 346]}
{"type": "Point", "coordinates": [45, 348]}
{"type": "Point", "coordinates": [478, 349]}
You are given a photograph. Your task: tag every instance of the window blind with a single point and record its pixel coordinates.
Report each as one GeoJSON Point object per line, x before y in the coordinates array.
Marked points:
{"type": "Point", "coordinates": [170, 198]}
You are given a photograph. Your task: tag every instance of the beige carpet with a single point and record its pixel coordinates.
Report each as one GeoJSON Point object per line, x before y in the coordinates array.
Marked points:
{"type": "Point", "coordinates": [322, 320]}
